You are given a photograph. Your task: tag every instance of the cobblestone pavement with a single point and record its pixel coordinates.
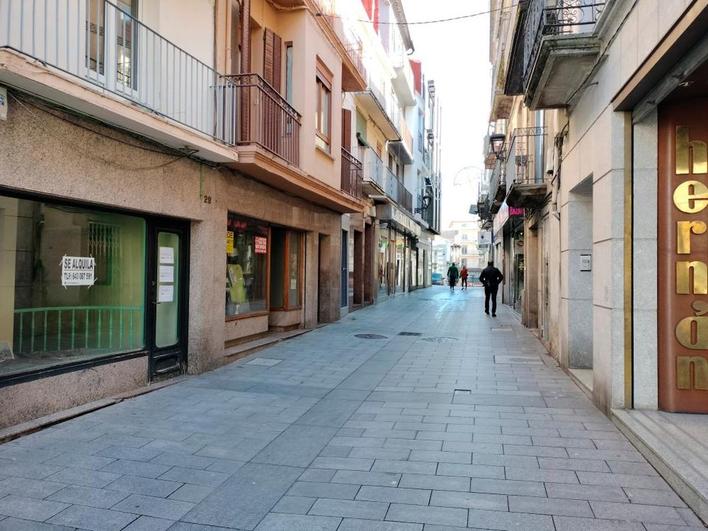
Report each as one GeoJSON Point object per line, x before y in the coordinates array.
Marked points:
{"type": "Point", "coordinates": [448, 419]}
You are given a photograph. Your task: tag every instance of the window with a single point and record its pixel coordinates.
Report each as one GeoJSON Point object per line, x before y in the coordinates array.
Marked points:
{"type": "Point", "coordinates": [246, 266]}
{"type": "Point", "coordinates": [72, 284]}
{"type": "Point", "coordinates": [289, 72]}
{"type": "Point", "coordinates": [323, 111]}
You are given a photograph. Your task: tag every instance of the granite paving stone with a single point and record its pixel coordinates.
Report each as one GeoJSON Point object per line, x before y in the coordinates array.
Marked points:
{"type": "Point", "coordinates": [427, 515]}
{"type": "Point", "coordinates": [481, 519]}
{"type": "Point", "coordinates": [394, 495]}
{"type": "Point", "coordinates": [349, 508]}
{"type": "Point", "coordinates": [459, 427]}
{"type": "Point", "coordinates": [92, 497]}
{"type": "Point", "coordinates": [149, 523]}
{"type": "Point", "coordinates": [293, 505]}
{"type": "Point", "coordinates": [152, 506]}
{"type": "Point", "coordinates": [30, 508]}
{"type": "Point", "coordinates": [17, 524]}
{"type": "Point", "coordinates": [92, 518]}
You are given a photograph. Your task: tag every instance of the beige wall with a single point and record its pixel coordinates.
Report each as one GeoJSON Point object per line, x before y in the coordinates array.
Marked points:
{"type": "Point", "coordinates": [189, 24]}
{"type": "Point", "coordinates": [77, 164]}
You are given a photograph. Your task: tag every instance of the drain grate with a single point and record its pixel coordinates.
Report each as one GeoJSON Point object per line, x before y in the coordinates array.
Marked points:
{"type": "Point", "coordinates": [370, 336]}
{"type": "Point", "coordinates": [410, 333]}
{"type": "Point", "coordinates": [442, 339]}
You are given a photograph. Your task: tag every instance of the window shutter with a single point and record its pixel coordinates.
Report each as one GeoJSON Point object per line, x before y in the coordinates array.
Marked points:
{"type": "Point", "coordinates": [347, 129]}
{"type": "Point", "coordinates": [272, 58]}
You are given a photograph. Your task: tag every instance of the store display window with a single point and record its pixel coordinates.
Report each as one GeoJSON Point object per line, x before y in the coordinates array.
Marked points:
{"type": "Point", "coordinates": [72, 284]}
{"type": "Point", "coordinates": [247, 247]}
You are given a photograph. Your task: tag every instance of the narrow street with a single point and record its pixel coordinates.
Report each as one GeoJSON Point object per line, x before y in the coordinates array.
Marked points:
{"type": "Point", "coordinates": [417, 413]}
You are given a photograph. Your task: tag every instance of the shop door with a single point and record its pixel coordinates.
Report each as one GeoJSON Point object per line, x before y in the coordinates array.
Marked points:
{"type": "Point", "coordinates": [167, 329]}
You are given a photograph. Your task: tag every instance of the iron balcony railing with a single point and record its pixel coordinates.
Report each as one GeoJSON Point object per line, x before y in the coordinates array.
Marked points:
{"type": "Point", "coordinates": [524, 156]}
{"type": "Point", "coordinates": [385, 180]}
{"type": "Point", "coordinates": [266, 118]}
{"type": "Point", "coordinates": [352, 174]}
{"type": "Point", "coordinates": [560, 17]}
{"type": "Point", "coordinates": [101, 44]}
{"type": "Point", "coordinates": [354, 48]}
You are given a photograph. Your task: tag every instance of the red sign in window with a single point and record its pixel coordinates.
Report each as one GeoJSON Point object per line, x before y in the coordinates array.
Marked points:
{"type": "Point", "coordinates": [261, 245]}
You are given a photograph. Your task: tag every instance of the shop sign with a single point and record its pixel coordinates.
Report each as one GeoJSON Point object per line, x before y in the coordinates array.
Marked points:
{"type": "Point", "coordinates": [77, 271]}
{"type": "Point", "coordinates": [229, 242]}
{"type": "Point", "coordinates": [261, 245]}
{"type": "Point", "coordinates": [505, 212]}
{"type": "Point", "coordinates": [406, 223]}
{"type": "Point", "coordinates": [682, 252]}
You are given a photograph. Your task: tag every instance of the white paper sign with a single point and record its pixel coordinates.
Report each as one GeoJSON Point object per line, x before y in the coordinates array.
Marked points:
{"type": "Point", "coordinates": [166, 293]}
{"type": "Point", "coordinates": [167, 255]}
{"type": "Point", "coordinates": [167, 273]}
{"type": "Point", "coordinates": [78, 270]}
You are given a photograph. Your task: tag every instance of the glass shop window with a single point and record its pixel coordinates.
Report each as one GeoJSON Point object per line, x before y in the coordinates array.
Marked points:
{"type": "Point", "coordinates": [72, 284]}
{"type": "Point", "coordinates": [246, 266]}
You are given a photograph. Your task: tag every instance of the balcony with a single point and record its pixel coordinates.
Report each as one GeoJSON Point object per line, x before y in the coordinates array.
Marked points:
{"type": "Point", "coordinates": [94, 58]}
{"type": "Point", "coordinates": [266, 119]}
{"type": "Point", "coordinates": [350, 49]}
{"type": "Point", "coordinates": [382, 185]}
{"type": "Point", "coordinates": [404, 148]}
{"type": "Point", "coordinates": [524, 168]}
{"type": "Point", "coordinates": [380, 109]}
{"type": "Point", "coordinates": [555, 48]}
{"type": "Point", "coordinates": [403, 80]}
{"type": "Point", "coordinates": [352, 174]}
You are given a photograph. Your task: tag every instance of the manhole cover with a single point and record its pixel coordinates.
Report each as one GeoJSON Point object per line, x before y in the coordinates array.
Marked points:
{"type": "Point", "coordinates": [439, 339]}
{"type": "Point", "coordinates": [410, 334]}
{"type": "Point", "coordinates": [370, 336]}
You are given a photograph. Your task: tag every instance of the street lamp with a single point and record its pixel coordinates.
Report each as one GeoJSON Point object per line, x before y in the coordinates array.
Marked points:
{"type": "Point", "coordinates": [497, 143]}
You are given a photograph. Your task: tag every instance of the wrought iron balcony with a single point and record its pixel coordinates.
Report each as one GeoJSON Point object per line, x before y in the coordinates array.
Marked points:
{"type": "Point", "coordinates": [524, 168]}
{"type": "Point", "coordinates": [555, 48]}
{"type": "Point", "coordinates": [266, 118]}
{"type": "Point", "coordinates": [101, 45]}
{"type": "Point", "coordinates": [352, 174]}
{"type": "Point", "coordinates": [380, 183]}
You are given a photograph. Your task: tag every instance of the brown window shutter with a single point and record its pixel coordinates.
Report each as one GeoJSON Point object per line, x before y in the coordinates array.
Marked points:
{"type": "Point", "coordinates": [347, 129]}
{"type": "Point", "coordinates": [277, 61]}
{"type": "Point", "coordinates": [272, 58]}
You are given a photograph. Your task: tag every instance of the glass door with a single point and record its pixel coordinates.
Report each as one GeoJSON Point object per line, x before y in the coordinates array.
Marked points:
{"type": "Point", "coordinates": [168, 283]}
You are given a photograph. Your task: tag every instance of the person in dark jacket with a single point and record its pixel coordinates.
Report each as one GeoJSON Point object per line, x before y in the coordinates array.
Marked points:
{"type": "Point", "coordinates": [452, 275]}
{"type": "Point", "coordinates": [490, 278]}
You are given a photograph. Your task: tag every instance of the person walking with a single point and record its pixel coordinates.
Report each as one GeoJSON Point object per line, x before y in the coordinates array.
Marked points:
{"type": "Point", "coordinates": [490, 278]}
{"type": "Point", "coordinates": [463, 277]}
{"type": "Point", "coordinates": [452, 275]}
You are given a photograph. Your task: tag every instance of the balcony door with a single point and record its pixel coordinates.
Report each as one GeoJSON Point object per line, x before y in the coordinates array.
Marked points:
{"type": "Point", "coordinates": [111, 38]}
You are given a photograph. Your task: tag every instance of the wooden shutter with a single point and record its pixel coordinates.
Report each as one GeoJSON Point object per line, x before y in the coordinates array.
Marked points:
{"type": "Point", "coordinates": [347, 129]}
{"type": "Point", "coordinates": [234, 37]}
{"type": "Point", "coordinates": [272, 58]}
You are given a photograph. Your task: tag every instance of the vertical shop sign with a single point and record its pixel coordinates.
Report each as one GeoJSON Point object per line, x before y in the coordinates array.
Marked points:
{"type": "Point", "coordinates": [683, 256]}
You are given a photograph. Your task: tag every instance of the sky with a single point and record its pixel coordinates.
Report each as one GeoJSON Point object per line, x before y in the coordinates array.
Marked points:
{"type": "Point", "coordinates": [456, 55]}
